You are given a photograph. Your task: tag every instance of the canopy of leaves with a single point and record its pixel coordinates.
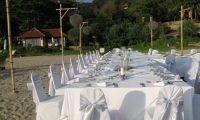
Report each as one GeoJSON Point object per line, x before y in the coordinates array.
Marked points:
{"type": "Point", "coordinates": [110, 22]}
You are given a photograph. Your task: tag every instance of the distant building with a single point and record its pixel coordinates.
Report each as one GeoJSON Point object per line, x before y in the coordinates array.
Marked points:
{"type": "Point", "coordinates": [125, 6]}
{"type": "Point", "coordinates": [42, 37]}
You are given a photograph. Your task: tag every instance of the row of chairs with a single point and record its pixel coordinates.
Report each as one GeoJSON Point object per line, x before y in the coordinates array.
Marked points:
{"type": "Point", "coordinates": [57, 85]}
{"type": "Point", "coordinates": [173, 51]}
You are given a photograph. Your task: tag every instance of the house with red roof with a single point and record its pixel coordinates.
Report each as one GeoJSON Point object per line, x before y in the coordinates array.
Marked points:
{"type": "Point", "coordinates": [42, 37]}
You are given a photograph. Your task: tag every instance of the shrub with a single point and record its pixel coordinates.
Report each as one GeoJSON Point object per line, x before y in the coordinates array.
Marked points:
{"type": "Point", "coordinates": [19, 49]}
{"type": "Point", "coordinates": [3, 56]}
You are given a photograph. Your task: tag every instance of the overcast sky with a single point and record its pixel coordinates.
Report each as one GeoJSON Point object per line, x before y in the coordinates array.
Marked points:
{"type": "Point", "coordinates": [88, 1]}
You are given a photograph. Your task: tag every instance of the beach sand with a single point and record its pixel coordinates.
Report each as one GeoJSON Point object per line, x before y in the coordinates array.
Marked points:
{"type": "Point", "coordinates": [19, 105]}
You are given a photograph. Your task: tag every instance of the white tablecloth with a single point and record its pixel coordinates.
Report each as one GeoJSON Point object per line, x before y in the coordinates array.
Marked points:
{"type": "Point", "coordinates": [128, 101]}
{"type": "Point", "coordinates": [130, 98]}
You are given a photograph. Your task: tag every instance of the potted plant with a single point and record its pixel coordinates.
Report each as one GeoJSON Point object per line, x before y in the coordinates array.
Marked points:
{"type": "Point", "coordinates": [3, 56]}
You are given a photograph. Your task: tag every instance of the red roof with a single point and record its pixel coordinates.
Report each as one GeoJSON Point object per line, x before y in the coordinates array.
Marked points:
{"type": "Point", "coordinates": [125, 5]}
{"type": "Point", "coordinates": [35, 33]}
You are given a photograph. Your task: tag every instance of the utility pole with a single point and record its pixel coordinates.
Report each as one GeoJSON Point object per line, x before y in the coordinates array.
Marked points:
{"type": "Point", "coordinates": [61, 17]}
{"type": "Point", "coordinates": [80, 27]}
{"type": "Point", "coordinates": [10, 44]}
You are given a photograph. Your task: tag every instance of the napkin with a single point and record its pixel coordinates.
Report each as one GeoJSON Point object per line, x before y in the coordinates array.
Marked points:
{"type": "Point", "coordinates": [159, 83]}
{"type": "Point", "coordinates": [101, 84]}
{"type": "Point", "coordinates": [70, 82]}
{"type": "Point", "coordinates": [80, 79]}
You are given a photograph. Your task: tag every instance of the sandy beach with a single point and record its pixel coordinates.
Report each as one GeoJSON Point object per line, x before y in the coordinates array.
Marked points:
{"type": "Point", "coordinates": [20, 106]}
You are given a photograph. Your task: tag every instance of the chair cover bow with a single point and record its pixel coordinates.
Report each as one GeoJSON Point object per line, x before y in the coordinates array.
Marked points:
{"type": "Point", "coordinates": [89, 108]}
{"type": "Point", "coordinates": [174, 100]}
{"type": "Point", "coordinates": [165, 104]}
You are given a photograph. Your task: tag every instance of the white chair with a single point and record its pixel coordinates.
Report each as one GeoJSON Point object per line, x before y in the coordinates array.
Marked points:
{"type": "Point", "coordinates": [170, 62]}
{"type": "Point", "coordinates": [89, 60]}
{"type": "Point", "coordinates": [73, 68]}
{"type": "Point", "coordinates": [98, 54]}
{"type": "Point", "coordinates": [93, 104]}
{"type": "Point", "coordinates": [69, 79]}
{"type": "Point", "coordinates": [155, 52]}
{"type": "Point", "coordinates": [173, 51]}
{"type": "Point", "coordinates": [191, 72]}
{"type": "Point", "coordinates": [31, 88]}
{"type": "Point", "coordinates": [193, 51]}
{"type": "Point", "coordinates": [84, 62]}
{"type": "Point", "coordinates": [81, 66]}
{"type": "Point", "coordinates": [55, 86]}
{"type": "Point", "coordinates": [196, 106]}
{"type": "Point", "coordinates": [169, 105]}
{"type": "Point", "coordinates": [75, 73]}
{"type": "Point", "coordinates": [150, 51]}
{"type": "Point", "coordinates": [65, 72]}
{"type": "Point", "coordinates": [49, 108]}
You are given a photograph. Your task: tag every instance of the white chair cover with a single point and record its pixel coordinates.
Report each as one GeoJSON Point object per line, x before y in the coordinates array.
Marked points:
{"type": "Point", "coordinates": [49, 108]}
{"type": "Point", "coordinates": [173, 51]}
{"type": "Point", "coordinates": [84, 61]}
{"type": "Point", "coordinates": [98, 54]}
{"type": "Point", "coordinates": [88, 59]}
{"type": "Point", "coordinates": [196, 106]}
{"type": "Point", "coordinates": [81, 66]}
{"type": "Point", "coordinates": [55, 82]}
{"type": "Point", "coordinates": [91, 58]}
{"type": "Point", "coordinates": [66, 73]}
{"type": "Point", "coordinates": [150, 51]}
{"type": "Point", "coordinates": [170, 61]}
{"type": "Point", "coordinates": [30, 87]}
{"type": "Point", "coordinates": [169, 105]}
{"type": "Point", "coordinates": [193, 51]}
{"type": "Point", "coordinates": [169, 95]}
{"type": "Point", "coordinates": [196, 57]}
{"type": "Point", "coordinates": [93, 104]}
{"type": "Point", "coordinates": [191, 73]}
{"type": "Point", "coordinates": [154, 52]}
{"type": "Point", "coordinates": [73, 67]}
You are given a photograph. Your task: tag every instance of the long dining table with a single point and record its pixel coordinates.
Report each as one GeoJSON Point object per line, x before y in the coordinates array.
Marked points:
{"type": "Point", "coordinates": [130, 96]}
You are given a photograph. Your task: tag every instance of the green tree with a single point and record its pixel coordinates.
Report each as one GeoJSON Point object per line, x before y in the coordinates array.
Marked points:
{"type": "Point", "coordinates": [108, 9]}
{"type": "Point", "coordinates": [73, 35]}
{"type": "Point", "coordinates": [189, 28]}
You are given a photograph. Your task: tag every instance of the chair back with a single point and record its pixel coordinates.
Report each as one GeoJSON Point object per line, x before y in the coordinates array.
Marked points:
{"type": "Point", "coordinates": [193, 51]}
{"type": "Point", "coordinates": [98, 54]}
{"type": "Point", "coordinates": [154, 52]}
{"type": "Point", "coordinates": [81, 66]}
{"type": "Point", "coordinates": [91, 57]}
{"type": "Point", "coordinates": [169, 105]}
{"type": "Point", "coordinates": [88, 58]}
{"type": "Point", "coordinates": [150, 51]}
{"type": "Point", "coordinates": [84, 61]}
{"type": "Point", "coordinates": [66, 72]}
{"type": "Point", "coordinates": [196, 57]}
{"type": "Point", "coordinates": [191, 73]}
{"type": "Point", "coordinates": [39, 90]}
{"type": "Point", "coordinates": [54, 76]}
{"type": "Point", "coordinates": [173, 51]}
{"type": "Point", "coordinates": [170, 59]}
{"type": "Point", "coordinates": [93, 104]}
{"type": "Point", "coordinates": [73, 66]}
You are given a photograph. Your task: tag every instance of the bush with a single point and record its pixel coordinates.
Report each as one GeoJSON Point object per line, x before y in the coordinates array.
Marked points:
{"type": "Point", "coordinates": [3, 56]}
{"type": "Point", "coordinates": [20, 50]}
